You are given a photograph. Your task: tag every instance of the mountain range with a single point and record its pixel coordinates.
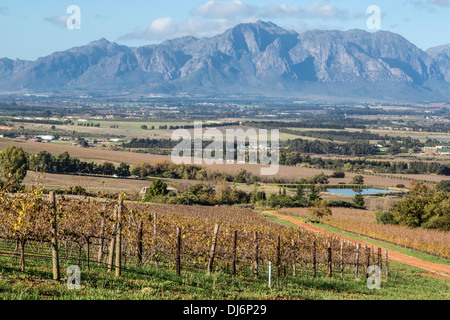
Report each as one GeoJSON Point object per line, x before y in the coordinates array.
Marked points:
{"type": "Point", "coordinates": [253, 60]}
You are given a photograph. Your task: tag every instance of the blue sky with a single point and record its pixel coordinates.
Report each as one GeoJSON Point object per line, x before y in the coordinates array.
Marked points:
{"type": "Point", "coordinates": [35, 28]}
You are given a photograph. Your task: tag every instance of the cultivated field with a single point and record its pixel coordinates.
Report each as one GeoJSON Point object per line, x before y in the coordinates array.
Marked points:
{"type": "Point", "coordinates": [286, 172]}
{"type": "Point", "coordinates": [363, 222]}
{"type": "Point", "coordinates": [90, 184]}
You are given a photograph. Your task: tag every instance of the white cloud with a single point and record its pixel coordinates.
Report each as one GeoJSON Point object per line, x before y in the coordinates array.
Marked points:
{"type": "Point", "coordinates": [313, 10]}
{"type": "Point", "coordinates": [59, 21]}
{"type": "Point", "coordinates": [323, 10]}
{"type": "Point", "coordinates": [273, 11]}
{"type": "Point", "coordinates": [214, 17]}
{"type": "Point", "coordinates": [440, 3]}
{"type": "Point", "coordinates": [101, 17]}
{"type": "Point", "coordinates": [162, 26]}
{"type": "Point", "coordinates": [166, 28]}
{"type": "Point", "coordinates": [223, 10]}
{"type": "Point", "coordinates": [4, 11]}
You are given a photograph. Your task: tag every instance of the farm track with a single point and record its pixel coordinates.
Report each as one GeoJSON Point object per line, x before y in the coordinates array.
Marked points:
{"type": "Point", "coordinates": [435, 269]}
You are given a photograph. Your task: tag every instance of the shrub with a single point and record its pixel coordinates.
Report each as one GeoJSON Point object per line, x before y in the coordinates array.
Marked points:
{"type": "Point", "coordinates": [319, 209]}
{"type": "Point", "coordinates": [77, 190]}
{"type": "Point", "coordinates": [358, 201]}
{"type": "Point", "coordinates": [158, 188]}
{"type": "Point", "coordinates": [384, 217]}
{"type": "Point", "coordinates": [438, 222]}
{"type": "Point", "coordinates": [358, 179]}
{"type": "Point", "coordinates": [340, 203]}
{"type": "Point", "coordinates": [337, 174]}
{"type": "Point", "coordinates": [443, 185]}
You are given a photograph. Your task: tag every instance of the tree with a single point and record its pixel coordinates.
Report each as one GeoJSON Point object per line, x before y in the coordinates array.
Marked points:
{"type": "Point", "coordinates": [64, 163]}
{"type": "Point", "coordinates": [107, 168]}
{"type": "Point", "coordinates": [83, 143]}
{"type": "Point", "coordinates": [443, 185]}
{"type": "Point", "coordinates": [313, 194]}
{"type": "Point", "coordinates": [384, 217]}
{"type": "Point", "coordinates": [13, 164]}
{"type": "Point", "coordinates": [299, 197]}
{"type": "Point", "coordinates": [423, 207]}
{"type": "Point", "coordinates": [157, 188]}
{"type": "Point", "coordinates": [358, 179]}
{"type": "Point", "coordinates": [41, 162]}
{"type": "Point", "coordinates": [358, 201]}
{"type": "Point", "coordinates": [319, 209]}
{"type": "Point", "coordinates": [123, 170]}
{"type": "Point", "coordinates": [338, 174]}
{"type": "Point", "coordinates": [242, 176]}
{"type": "Point", "coordinates": [136, 171]}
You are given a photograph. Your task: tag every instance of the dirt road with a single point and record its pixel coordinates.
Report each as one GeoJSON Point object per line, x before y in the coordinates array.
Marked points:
{"type": "Point", "coordinates": [435, 269]}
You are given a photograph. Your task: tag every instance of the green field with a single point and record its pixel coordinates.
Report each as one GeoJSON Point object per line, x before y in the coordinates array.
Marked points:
{"type": "Point", "coordinates": [147, 282]}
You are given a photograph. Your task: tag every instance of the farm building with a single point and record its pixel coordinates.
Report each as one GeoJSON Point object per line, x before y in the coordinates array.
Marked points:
{"type": "Point", "coordinates": [46, 138]}
{"type": "Point", "coordinates": [443, 150]}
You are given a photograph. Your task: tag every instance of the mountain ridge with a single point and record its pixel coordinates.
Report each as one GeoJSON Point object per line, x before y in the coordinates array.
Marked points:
{"type": "Point", "coordinates": [249, 59]}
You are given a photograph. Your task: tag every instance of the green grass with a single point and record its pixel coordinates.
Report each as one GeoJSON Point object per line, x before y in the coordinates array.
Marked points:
{"type": "Point", "coordinates": [162, 284]}
{"type": "Point", "coordinates": [273, 218]}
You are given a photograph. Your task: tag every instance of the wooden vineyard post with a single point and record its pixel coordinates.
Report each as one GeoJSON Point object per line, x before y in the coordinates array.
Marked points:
{"type": "Point", "coordinates": [119, 237]}
{"type": "Point", "coordinates": [102, 240]}
{"type": "Point", "coordinates": [55, 254]}
{"type": "Point", "coordinates": [213, 249]}
{"type": "Point", "coordinates": [314, 259]}
{"type": "Point", "coordinates": [357, 260]}
{"type": "Point", "coordinates": [234, 253]}
{"type": "Point", "coordinates": [139, 242]}
{"type": "Point", "coordinates": [379, 259]}
{"type": "Point", "coordinates": [255, 262]}
{"type": "Point", "coordinates": [368, 261]}
{"type": "Point", "coordinates": [22, 254]}
{"type": "Point", "coordinates": [372, 254]}
{"type": "Point", "coordinates": [342, 259]}
{"type": "Point", "coordinates": [178, 251]}
{"type": "Point", "coordinates": [386, 262]}
{"type": "Point", "coordinates": [278, 256]}
{"type": "Point", "coordinates": [294, 269]}
{"type": "Point", "coordinates": [88, 252]}
{"type": "Point", "coordinates": [16, 250]}
{"type": "Point", "coordinates": [66, 247]}
{"type": "Point", "coordinates": [112, 244]}
{"type": "Point", "coordinates": [155, 239]}
{"type": "Point", "coordinates": [330, 261]}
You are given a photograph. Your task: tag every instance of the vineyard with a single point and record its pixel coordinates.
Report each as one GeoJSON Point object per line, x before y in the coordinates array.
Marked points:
{"type": "Point", "coordinates": [117, 234]}
{"type": "Point", "coordinates": [362, 222]}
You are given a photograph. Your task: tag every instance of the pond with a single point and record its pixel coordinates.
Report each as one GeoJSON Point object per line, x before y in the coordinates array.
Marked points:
{"type": "Point", "coordinates": [352, 192]}
{"type": "Point", "coordinates": [438, 139]}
